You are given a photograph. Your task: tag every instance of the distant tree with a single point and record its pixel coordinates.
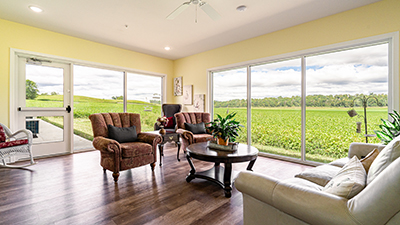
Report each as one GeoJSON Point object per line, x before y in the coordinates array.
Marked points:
{"type": "Point", "coordinates": [118, 97]}
{"type": "Point", "coordinates": [54, 93]}
{"type": "Point", "coordinates": [32, 90]}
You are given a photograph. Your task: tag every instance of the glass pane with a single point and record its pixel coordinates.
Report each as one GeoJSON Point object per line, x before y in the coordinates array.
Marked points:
{"type": "Point", "coordinates": [276, 109]}
{"type": "Point", "coordinates": [145, 97]}
{"type": "Point", "coordinates": [230, 95]}
{"type": "Point", "coordinates": [95, 91]}
{"type": "Point", "coordinates": [46, 129]}
{"type": "Point", "coordinates": [334, 82]}
{"type": "Point", "coordinates": [44, 86]}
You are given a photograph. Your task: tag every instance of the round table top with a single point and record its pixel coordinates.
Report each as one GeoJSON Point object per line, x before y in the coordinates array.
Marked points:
{"type": "Point", "coordinates": [203, 152]}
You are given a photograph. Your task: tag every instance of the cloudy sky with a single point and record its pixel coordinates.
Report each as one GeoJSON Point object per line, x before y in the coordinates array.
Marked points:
{"type": "Point", "coordinates": [97, 83]}
{"type": "Point", "coordinates": [363, 70]}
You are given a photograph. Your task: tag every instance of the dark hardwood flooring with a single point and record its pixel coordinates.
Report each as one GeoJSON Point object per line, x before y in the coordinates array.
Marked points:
{"type": "Point", "coordinates": [73, 189]}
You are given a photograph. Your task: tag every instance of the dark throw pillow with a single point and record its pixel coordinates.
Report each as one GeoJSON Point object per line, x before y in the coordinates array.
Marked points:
{"type": "Point", "coordinates": [122, 134]}
{"type": "Point", "coordinates": [170, 123]}
{"type": "Point", "coordinates": [199, 128]}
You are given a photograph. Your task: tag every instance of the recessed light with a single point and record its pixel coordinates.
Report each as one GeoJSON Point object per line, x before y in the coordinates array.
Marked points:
{"type": "Point", "coordinates": [167, 48]}
{"type": "Point", "coordinates": [36, 9]}
{"type": "Point", "coordinates": [241, 8]}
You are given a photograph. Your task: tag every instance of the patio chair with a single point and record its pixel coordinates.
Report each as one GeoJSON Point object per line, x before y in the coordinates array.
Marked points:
{"type": "Point", "coordinates": [18, 143]}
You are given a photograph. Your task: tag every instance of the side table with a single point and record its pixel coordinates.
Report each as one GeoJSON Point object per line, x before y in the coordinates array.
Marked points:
{"type": "Point", "coordinates": [169, 137]}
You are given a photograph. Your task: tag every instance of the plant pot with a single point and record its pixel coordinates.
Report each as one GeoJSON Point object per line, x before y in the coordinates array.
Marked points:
{"type": "Point", "coordinates": [221, 141]}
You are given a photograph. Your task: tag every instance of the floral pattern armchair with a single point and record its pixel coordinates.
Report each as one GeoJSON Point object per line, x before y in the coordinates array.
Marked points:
{"type": "Point", "coordinates": [187, 137]}
{"type": "Point", "coordinates": [117, 156]}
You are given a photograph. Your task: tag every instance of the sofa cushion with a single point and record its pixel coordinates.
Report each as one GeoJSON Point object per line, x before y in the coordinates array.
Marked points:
{"type": "Point", "coordinates": [199, 128]}
{"type": "Point", "coordinates": [369, 159]}
{"type": "Point", "coordinates": [122, 134]}
{"type": "Point", "coordinates": [390, 153]}
{"type": "Point", "coordinates": [339, 162]}
{"type": "Point", "coordinates": [320, 175]}
{"type": "Point", "coordinates": [134, 149]}
{"type": "Point", "coordinates": [349, 181]}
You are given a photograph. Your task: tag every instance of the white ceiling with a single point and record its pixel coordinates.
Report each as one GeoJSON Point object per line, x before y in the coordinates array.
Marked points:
{"type": "Point", "coordinates": [149, 31]}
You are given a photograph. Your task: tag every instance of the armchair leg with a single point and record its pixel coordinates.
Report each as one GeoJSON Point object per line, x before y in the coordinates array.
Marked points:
{"type": "Point", "coordinates": [152, 166]}
{"type": "Point", "coordinates": [115, 175]}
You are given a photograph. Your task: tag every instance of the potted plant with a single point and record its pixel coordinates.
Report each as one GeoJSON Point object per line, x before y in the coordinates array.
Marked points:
{"type": "Point", "coordinates": [225, 129]}
{"type": "Point", "coordinates": [389, 130]}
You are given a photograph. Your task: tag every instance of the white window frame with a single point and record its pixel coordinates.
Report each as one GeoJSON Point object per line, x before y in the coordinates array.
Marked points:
{"type": "Point", "coordinates": [393, 77]}
{"type": "Point", "coordinates": [16, 53]}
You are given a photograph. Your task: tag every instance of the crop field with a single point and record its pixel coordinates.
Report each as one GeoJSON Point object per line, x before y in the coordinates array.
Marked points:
{"type": "Point", "coordinates": [329, 131]}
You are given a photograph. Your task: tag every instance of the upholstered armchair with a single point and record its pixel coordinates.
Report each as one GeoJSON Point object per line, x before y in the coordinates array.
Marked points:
{"type": "Point", "coordinates": [192, 118]}
{"type": "Point", "coordinates": [116, 156]}
{"type": "Point", "coordinates": [169, 110]}
{"type": "Point", "coordinates": [17, 143]}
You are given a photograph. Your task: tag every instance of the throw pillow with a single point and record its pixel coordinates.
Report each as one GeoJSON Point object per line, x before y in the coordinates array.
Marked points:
{"type": "Point", "coordinates": [390, 153]}
{"type": "Point", "coordinates": [170, 123]}
{"type": "Point", "coordinates": [199, 128]}
{"type": "Point", "coordinates": [320, 175]}
{"type": "Point", "coordinates": [122, 134]}
{"type": "Point", "coordinates": [367, 161]}
{"type": "Point", "coordinates": [349, 181]}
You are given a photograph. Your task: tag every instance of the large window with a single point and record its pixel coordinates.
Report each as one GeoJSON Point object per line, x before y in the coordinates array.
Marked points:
{"type": "Point", "coordinates": [299, 105]}
{"type": "Point", "coordinates": [102, 90]}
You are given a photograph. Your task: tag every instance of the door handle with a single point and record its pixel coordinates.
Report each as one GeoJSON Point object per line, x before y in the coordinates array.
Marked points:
{"type": "Point", "coordinates": [68, 109]}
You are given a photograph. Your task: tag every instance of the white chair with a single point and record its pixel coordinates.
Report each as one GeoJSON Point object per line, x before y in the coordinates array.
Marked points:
{"type": "Point", "coordinates": [12, 144]}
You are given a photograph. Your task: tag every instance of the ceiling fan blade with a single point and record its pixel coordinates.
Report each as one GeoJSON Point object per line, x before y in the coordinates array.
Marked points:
{"type": "Point", "coordinates": [210, 11]}
{"type": "Point", "coordinates": [178, 11]}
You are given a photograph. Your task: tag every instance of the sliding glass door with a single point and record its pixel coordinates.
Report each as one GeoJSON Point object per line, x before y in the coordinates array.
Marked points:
{"type": "Point", "coordinates": [276, 107]}
{"type": "Point", "coordinates": [299, 106]}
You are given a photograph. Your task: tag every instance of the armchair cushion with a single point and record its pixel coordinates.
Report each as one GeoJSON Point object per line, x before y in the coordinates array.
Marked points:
{"type": "Point", "coordinates": [170, 123]}
{"type": "Point", "coordinates": [2, 134]}
{"type": "Point", "coordinates": [199, 128]}
{"type": "Point", "coordinates": [122, 134]}
{"type": "Point", "coordinates": [13, 143]}
{"type": "Point", "coordinates": [135, 149]}
{"type": "Point", "coordinates": [349, 181]}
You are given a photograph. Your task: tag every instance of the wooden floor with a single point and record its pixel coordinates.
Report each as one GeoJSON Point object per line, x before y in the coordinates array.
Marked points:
{"type": "Point", "coordinates": [73, 189]}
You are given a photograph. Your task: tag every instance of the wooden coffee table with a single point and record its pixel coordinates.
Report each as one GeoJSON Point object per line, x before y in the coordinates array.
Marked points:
{"type": "Point", "coordinates": [218, 174]}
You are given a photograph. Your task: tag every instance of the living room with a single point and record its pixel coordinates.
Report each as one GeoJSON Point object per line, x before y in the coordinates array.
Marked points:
{"type": "Point", "coordinates": [370, 23]}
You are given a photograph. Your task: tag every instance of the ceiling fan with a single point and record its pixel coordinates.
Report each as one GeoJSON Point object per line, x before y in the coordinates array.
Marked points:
{"type": "Point", "coordinates": [210, 11]}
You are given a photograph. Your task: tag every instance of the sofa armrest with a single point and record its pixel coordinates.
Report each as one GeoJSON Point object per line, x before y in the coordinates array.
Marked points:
{"type": "Point", "coordinates": [362, 149]}
{"type": "Point", "coordinates": [186, 135]}
{"type": "Point", "coordinates": [106, 145]}
{"type": "Point", "coordinates": [309, 205]}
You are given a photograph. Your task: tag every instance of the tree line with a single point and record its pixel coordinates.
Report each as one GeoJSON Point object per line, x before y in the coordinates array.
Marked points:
{"type": "Point", "coordinates": [345, 101]}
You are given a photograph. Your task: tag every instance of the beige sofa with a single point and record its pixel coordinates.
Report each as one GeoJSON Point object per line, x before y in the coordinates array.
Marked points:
{"type": "Point", "coordinates": [267, 200]}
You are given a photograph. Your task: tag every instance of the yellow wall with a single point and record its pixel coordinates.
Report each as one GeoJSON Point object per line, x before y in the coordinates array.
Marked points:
{"type": "Point", "coordinates": [18, 36]}
{"type": "Point", "coordinates": [374, 19]}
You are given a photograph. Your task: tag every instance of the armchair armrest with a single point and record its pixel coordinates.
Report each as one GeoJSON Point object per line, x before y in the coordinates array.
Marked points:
{"type": "Point", "coordinates": [149, 138]}
{"type": "Point", "coordinates": [309, 205]}
{"type": "Point", "coordinates": [106, 145]}
{"type": "Point", "coordinates": [362, 149]}
{"type": "Point", "coordinates": [186, 135]}
{"type": "Point", "coordinates": [25, 134]}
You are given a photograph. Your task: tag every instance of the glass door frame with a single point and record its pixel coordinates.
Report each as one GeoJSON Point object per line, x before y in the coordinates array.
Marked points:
{"type": "Point", "coordinates": [393, 77]}
{"type": "Point", "coordinates": [18, 113]}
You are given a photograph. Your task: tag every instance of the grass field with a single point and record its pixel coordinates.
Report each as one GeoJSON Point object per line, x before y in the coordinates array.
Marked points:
{"type": "Point", "coordinates": [329, 131]}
